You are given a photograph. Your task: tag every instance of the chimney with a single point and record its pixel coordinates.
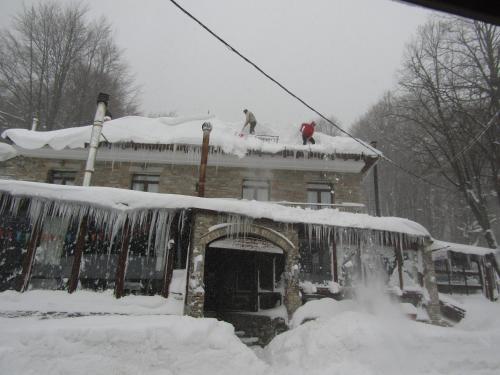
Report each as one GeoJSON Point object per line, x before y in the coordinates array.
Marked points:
{"type": "Point", "coordinates": [102, 103]}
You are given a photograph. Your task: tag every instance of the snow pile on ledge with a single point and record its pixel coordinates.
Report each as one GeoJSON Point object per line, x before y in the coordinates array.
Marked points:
{"type": "Point", "coordinates": [440, 249]}
{"type": "Point", "coordinates": [123, 345]}
{"type": "Point", "coordinates": [187, 130]}
{"type": "Point", "coordinates": [126, 200]}
{"type": "Point", "coordinates": [88, 302]}
{"type": "Point", "coordinates": [7, 152]}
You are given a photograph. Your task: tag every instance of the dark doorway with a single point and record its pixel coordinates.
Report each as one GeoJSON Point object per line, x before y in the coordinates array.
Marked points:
{"type": "Point", "coordinates": [239, 280]}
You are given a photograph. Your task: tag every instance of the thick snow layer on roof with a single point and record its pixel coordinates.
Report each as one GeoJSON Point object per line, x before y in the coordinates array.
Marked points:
{"type": "Point", "coordinates": [7, 152]}
{"type": "Point", "coordinates": [186, 130]}
{"type": "Point", "coordinates": [440, 248]}
{"type": "Point", "coordinates": [121, 199]}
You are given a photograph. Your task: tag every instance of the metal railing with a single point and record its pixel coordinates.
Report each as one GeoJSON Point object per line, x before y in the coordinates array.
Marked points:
{"type": "Point", "coordinates": [344, 207]}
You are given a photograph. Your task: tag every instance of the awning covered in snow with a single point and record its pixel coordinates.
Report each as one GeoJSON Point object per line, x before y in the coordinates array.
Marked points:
{"type": "Point", "coordinates": [440, 249]}
{"type": "Point", "coordinates": [129, 201]}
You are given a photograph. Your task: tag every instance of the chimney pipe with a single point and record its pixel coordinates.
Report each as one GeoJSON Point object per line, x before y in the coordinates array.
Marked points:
{"type": "Point", "coordinates": [375, 182]}
{"type": "Point", "coordinates": [34, 124]}
{"type": "Point", "coordinates": [207, 128]}
{"type": "Point", "coordinates": [102, 103]}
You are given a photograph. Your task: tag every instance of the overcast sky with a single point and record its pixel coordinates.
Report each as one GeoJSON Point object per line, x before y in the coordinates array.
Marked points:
{"type": "Point", "coordinates": [338, 55]}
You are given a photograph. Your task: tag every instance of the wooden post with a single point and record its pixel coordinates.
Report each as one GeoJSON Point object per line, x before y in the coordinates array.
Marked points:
{"type": "Point", "coordinates": [256, 281]}
{"type": "Point", "coordinates": [489, 277]}
{"type": "Point", "coordinates": [481, 276]}
{"type": "Point", "coordinates": [465, 280]}
{"type": "Point", "coordinates": [207, 128]}
{"type": "Point", "coordinates": [169, 269]}
{"type": "Point", "coordinates": [335, 271]}
{"type": "Point", "coordinates": [399, 262]}
{"type": "Point", "coordinates": [375, 184]}
{"type": "Point", "coordinates": [122, 261]}
{"type": "Point", "coordinates": [450, 287]}
{"type": "Point", "coordinates": [30, 256]}
{"type": "Point", "coordinates": [80, 245]}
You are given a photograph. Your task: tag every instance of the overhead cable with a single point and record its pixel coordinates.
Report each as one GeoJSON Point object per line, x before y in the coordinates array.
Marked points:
{"type": "Point", "coordinates": [232, 49]}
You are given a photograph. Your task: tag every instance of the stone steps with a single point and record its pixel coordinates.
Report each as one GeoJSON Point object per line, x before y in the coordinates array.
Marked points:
{"type": "Point", "coordinates": [247, 339]}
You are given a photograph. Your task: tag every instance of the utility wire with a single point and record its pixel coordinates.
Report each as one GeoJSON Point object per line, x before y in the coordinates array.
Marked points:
{"type": "Point", "coordinates": [472, 142]}
{"type": "Point", "coordinates": [232, 49]}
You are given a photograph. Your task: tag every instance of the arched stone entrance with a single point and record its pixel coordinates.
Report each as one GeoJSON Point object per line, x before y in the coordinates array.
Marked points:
{"type": "Point", "coordinates": [201, 249]}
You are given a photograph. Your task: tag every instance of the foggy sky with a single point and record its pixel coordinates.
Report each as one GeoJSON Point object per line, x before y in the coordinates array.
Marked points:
{"type": "Point", "coordinates": [338, 55]}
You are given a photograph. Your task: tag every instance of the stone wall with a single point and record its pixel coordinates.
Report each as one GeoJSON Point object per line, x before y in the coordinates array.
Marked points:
{"type": "Point", "coordinates": [433, 308]}
{"type": "Point", "coordinates": [285, 185]}
{"type": "Point", "coordinates": [287, 239]}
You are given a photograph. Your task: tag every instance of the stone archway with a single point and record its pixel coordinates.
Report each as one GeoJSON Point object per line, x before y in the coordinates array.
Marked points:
{"type": "Point", "coordinates": [195, 289]}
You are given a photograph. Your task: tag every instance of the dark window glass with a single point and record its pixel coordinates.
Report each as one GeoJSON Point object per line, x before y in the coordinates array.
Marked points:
{"type": "Point", "coordinates": [146, 182]}
{"type": "Point", "coordinates": [319, 194]}
{"type": "Point", "coordinates": [62, 177]}
{"type": "Point", "coordinates": [255, 190]}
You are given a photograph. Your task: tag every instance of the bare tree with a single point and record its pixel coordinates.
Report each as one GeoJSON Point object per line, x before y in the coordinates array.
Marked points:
{"type": "Point", "coordinates": [442, 211]}
{"type": "Point", "coordinates": [54, 61]}
{"type": "Point", "coordinates": [443, 96]}
{"type": "Point", "coordinates": [325, 127]}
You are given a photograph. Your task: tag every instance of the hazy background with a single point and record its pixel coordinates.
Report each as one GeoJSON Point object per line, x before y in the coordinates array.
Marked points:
{"type": "Point", "coordinates": [340, 55]}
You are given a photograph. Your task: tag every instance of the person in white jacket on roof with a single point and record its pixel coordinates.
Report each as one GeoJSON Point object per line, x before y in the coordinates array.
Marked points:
{"type": "Point", "coordinates": [250, 120]}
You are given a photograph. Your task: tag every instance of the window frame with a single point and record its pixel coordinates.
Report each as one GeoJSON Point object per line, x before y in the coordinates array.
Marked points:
{"type": "Point", "coordinates": [328, 187]}
{"type": "Point", "coordinates": [139, 178]}
{"type": "Point", "coordinates": [63, 175]}
{"type": "Point", "coordinates": [256, 188]}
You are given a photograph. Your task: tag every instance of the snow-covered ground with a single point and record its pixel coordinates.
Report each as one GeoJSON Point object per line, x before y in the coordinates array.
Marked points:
{"type": "Point", "coordinates": [346, 338]}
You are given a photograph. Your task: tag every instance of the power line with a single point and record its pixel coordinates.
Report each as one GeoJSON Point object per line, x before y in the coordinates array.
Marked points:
{"type": "Point", "coordinates": [232, 49]}
{"type": "Point", "coordinates": [489, 124]}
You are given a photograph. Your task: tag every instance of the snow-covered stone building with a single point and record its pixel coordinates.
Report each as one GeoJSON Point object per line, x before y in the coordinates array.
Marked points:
{"type": "Point", "coordinates": [250, 252]}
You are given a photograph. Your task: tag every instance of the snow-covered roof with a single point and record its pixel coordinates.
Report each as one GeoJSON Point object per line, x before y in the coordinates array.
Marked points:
{"type": "Point", "coordinates": [440, 249]}
{"type": "Point", "coordinates": [126, 200]}
{"type": "Point", "coordinates": [7, 151]}
{"type": "Point", "coordinates": [187, 130]}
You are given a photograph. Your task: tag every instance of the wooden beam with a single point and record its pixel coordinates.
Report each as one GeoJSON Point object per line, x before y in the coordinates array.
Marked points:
{"type": "Point", "coordinates": [30, 256]}
{"type": "Point", "coordinates": [168, 271]}
{"type": "Point", "coordinates": [77, 260]}
{"type": "Point", "coordinates": [335, 271]}
{"type": "Point", "coordinates": [122, 261]}
{"type": "Point", "coordinates": [399, 262]}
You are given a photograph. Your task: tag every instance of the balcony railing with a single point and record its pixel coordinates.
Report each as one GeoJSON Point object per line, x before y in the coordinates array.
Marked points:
{"type": "Point", "coordinates": [344, 207]}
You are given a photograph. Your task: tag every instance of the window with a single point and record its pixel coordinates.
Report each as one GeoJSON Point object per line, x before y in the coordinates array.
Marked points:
{"type": "Point", "coordinates": [62, 177]}
{"type": "Point", "coordinates": [256, 190]}
{"type": "Point", "coordinates": [146, 182]}
{"type": "Point", "coordinates": [319, 194]}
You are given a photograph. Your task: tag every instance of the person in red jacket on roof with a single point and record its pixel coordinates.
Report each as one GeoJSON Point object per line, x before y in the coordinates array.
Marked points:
{"type": "Point", "coordinates": [307, 130]}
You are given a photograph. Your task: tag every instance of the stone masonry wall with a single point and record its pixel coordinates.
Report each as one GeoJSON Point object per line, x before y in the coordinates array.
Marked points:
{"type": "Point", "coordinates": [433, 308]}
{"type": "Point", "coordinates": [201, 237]}
{"type": "Point", "coordinates": [285, 185]}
